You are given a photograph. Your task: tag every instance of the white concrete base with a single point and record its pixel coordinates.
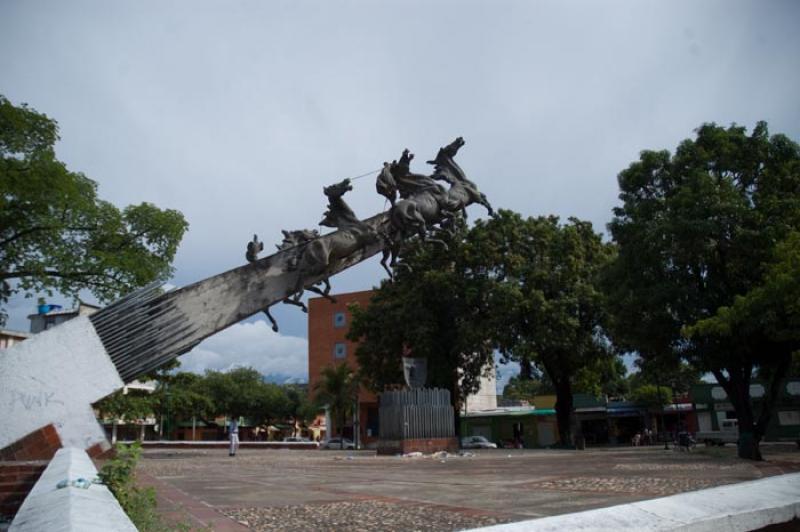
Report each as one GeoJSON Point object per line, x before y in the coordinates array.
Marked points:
{"type": "Point", "coordinates": [71, 508]}
{"type": "Point", "coordinates": [54, 377]}
{"type": "Point", "coordinates": [738, 507]}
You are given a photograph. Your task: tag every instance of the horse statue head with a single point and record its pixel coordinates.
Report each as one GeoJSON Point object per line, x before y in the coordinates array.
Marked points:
{"type": "Point", "coordinates": [338, 190]}
{"type": "Point", "coordinates": [446, 168]}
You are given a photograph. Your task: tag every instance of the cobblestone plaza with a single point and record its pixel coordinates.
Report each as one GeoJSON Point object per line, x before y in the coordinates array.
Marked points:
{"type": "Point", "coordinates": [318, 490]}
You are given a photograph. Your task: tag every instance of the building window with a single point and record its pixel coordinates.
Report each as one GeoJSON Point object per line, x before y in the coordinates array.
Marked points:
{"type": "Point", "coordinates": [339, 350]}
{"type": "Point", "coordinates": [339, 320]}
{"type": "Point", "coordinates": [789, 417]}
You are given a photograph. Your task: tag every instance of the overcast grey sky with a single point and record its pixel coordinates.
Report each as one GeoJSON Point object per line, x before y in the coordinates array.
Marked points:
{"type": "Point", "coordinates": [237, 113]}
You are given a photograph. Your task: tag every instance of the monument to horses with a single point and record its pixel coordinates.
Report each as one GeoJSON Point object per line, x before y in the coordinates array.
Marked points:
{"type": "Point", "coordinates": [99, 354]}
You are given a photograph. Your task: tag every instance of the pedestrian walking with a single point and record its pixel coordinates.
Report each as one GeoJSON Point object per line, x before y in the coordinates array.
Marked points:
{"type": "Point", "coordinates": [233, 436]}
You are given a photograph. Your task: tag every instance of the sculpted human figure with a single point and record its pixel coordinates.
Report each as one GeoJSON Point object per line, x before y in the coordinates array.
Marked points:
{"type": "Point", "coordinates": [291, 240]}
{"type": "Point", "coordinates": [254, 247]}
{"type": "Point", "coordinates": [409, 183]}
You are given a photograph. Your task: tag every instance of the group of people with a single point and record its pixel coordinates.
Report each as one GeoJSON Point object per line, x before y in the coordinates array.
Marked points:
{"type": "Point", "coordinates": [645, 437]}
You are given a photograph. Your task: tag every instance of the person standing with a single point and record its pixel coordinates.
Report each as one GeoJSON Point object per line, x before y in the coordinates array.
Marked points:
{"type": "Point", "coordinates": [233, 436]}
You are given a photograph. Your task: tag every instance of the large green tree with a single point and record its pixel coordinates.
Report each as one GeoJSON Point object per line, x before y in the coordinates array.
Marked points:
{"type": "Point", "coordinates": [243, 392]}
{"type": "Point", "coordinates": [182, 396]}
{"type": "Point", "coordinates": [437, 308]}
{"type": "Point", "coordinates": [553, 310]}
{"type": "Point", "coordinates": [127, 405]}
{"type": "Point", "coordinates": [695, 230]}
{"type": "Point", "coordinates": [56, 234]}
{"type": "Point", "coordinates": [771, 308]}
{"type": "Point", "coordinates": [603, 376]}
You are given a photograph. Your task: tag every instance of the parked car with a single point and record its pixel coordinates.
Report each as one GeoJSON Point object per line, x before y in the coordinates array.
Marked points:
{"type": "Point", "coordinates": [477, 442]}
{"type": "Point", "coordinates": [728, 433]}
{"type": "Point", "coordinates": [299, 439]}
{"type": "Point", "coordinates": [339, 443]}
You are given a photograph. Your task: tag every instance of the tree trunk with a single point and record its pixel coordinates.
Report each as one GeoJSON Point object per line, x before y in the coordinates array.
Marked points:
{"type": "Point", "coordinates": [455, 401]}
{"type": "Point", "coordinates": [564, 407]}
{"type": "Point", "coordinates": [737, 386]}
{"type": "Point", "coordinates": [772, 391]}
{"type": "Point", "coordinates": [748, 445]}
{"type": "Point", "coordinates": [525, 369]}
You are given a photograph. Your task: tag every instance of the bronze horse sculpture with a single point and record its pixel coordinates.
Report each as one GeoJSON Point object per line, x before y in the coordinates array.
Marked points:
{"type": "Point", "coordinates": [418, 204]}
{"type": "Point", "coordinates": [314, 256]}
{"type": "Point", "coordinates": [291, 240]}
{"type": "Point", "coordinates": [321, 253]}
{"type": "Point", "coordinates": [425, 204]}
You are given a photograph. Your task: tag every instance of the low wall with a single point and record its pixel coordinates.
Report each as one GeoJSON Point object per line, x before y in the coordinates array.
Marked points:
{"type": "Point", "coordinates": [16, 481]}
{"type": "Point", "coordinates": [418, 445]}
{"type": "Point", "coordinates": [70, 508]}
{"type": "Point", "coordinates": [755, 505]}
{"type": "Point", "coordinates": [223, 444]}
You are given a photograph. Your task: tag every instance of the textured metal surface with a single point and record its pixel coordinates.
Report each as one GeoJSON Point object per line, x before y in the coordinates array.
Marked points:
{"type": "Point", "coordinates": [149, 327]}
{"type": "Point", "coordinates": [416, 413]}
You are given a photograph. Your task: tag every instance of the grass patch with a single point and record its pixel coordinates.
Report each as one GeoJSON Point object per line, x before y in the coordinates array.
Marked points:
{"type": "Point", "coordinates": [119, 475]}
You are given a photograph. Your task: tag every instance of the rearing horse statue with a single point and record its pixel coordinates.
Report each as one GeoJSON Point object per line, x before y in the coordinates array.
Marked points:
{"type": "Point", "coordinates": [424, 204]}
{"type": "Point", "coordinates": [319, 254]}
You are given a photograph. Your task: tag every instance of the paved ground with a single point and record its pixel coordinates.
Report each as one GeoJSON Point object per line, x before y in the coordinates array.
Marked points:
{"type": "Point", "coordinates": [333, 490]}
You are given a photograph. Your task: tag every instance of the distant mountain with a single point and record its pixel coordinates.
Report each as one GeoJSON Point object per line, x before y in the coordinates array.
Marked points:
{"type": "Point", "coordinates": [282, 378]}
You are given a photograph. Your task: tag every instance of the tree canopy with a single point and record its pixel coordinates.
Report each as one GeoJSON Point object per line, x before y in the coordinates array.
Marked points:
{"type": "Point", "coordinates": [240, 392]}
{"type": "Point", "coordinates": [57, 235]}
{"type": "Point", "coordinates": [438, 308]}
{"type": "Point", "coordinates": [552, 309]}
{"type": "Point", "coordinates": [520, 388]}
{"type": "Point", "coordinates": [652, 395]}
{"type": "Point", "coordinates": [243, 392]}
{"type": "Point", "coordinates": [664, 372]}
{"type": "Point", "coordinates": [695, 230]}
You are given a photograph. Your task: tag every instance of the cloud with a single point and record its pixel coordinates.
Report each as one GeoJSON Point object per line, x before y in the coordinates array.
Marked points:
{"type": "Point", "coordinates": [237, 115]}
{"type": "Point", "coordinates": [251, 344]}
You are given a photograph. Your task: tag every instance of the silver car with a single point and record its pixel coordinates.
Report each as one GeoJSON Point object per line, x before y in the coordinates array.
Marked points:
{"type": "Point", "coordinates": [477, 442]}
{"type": "Point", "coordinates": [299, 439]}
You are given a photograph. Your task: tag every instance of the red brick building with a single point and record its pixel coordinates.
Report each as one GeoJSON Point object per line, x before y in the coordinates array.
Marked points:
{"type": "Point", "coordinates": [328, 324]}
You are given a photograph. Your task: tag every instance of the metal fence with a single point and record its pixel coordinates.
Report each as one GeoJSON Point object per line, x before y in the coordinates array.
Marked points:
{"type": "Point", "coordinates": [416, 413]}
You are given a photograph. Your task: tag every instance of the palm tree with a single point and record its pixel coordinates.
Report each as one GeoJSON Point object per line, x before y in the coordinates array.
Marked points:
{"type": "Point", "coordinates": [337, 388]}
